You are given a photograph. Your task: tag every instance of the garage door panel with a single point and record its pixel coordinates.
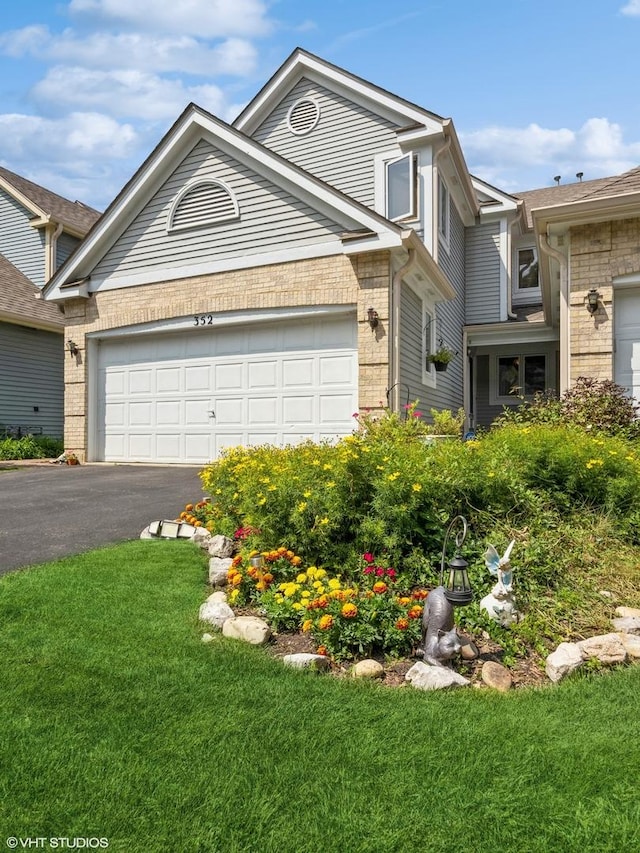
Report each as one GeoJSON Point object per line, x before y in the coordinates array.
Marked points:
{"type": "Point", "coordinates": [168, 447]}
{"type": "Point", "coordinates": [228, 377]}
{"type": "Point", "coordinates": [168, 413]}
{"type": "Point", "coordinates": [298, 372]}
{"type": "Point", "coordinates": [168, 379]}
{"type": "Point", "coordinates": [298, 410]}
{"type": "Point", "coordinates": [275, 383]}
{"type": "Point", "coordinates": [627, 337]}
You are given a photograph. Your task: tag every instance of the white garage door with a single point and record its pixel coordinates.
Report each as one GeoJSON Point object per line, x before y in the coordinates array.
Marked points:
{"type": "Point", "coordinates": [627, 339]}
{"type": "Point", "coordinates": [184, 397]}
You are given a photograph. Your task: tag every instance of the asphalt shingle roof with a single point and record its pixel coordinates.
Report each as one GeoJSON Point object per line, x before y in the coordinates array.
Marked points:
{"type": "Point", "coordinates": [74, 214]}
{"type": "Point", "coordinates": [18, 297]}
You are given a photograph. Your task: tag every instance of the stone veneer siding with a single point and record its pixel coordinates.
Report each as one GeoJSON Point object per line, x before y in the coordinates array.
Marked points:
{"type": "Point", "coordinates": [599, 253]}
{"type": "Point", "coordinates": [362, 280]}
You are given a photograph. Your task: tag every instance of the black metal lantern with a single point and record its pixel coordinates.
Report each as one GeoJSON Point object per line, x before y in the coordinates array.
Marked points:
{"type": "Point", "coordinates": [457, 589]}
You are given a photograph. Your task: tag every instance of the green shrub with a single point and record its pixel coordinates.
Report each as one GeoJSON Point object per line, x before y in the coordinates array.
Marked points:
{"type": "Point", "coordinates": [30, 447]}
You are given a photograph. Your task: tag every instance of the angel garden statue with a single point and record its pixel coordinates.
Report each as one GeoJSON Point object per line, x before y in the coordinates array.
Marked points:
{"type": "Point", "coordinates": [500, 604]}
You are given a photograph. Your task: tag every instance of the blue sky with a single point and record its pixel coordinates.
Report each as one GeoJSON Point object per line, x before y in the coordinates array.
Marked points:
{"type": "Point", "coordinates": [535, 89]}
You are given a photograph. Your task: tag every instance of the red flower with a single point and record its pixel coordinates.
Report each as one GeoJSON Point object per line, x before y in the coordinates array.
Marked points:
{"type": "Point", "coordinates": [368, 557]}
{"type": "Point", "coordinates": [402, 624]}
{"type": "Point", "coordinates": [368, 570]}
{"type": "Point", "coordinates": [380, 572]}
{"type": "Point", "coordinates": [391, 573]}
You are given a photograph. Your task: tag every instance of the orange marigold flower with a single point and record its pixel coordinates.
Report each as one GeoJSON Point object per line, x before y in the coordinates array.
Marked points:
{"type": "Point", "coordinates": [189, 507]}
{"type": "Point", "coordinates": [307, 625]}
{"type": "Point", "coordinates": [235, 580]}
{"type": "Point", "coordinates": [419, 594]}
{"type": "Point", "coordinates": [402, 624]}
{"type": "Point", "coordinates": [183, 515]}
{"type": "Point", "coordinates": [267, 577]}
{"type": "Point", "coordinates": [325, 622]}
{"type": "Point", "coordinates": [415, 612]}
{"type": "Point", "coordinates": [404, 600]}
{"type": "Point", "coordinates": [289, 554]}
{"type": "Point", "coordinates": [349, 610]}
{"type": "Point", "coordinates": [282, 550]}
{"type": "Point", "coordinates": [261, 585]}
{"type": "Point", "coordinates": [380, 587]}
{"type": "Point", "coordinates": [295, 561]}
{"type": "Point", "coordinates": [197, 523]}
{"type": "Point", "coordinates": [236, 561]}
{"type": "Point", "coordinates": [322, 650]}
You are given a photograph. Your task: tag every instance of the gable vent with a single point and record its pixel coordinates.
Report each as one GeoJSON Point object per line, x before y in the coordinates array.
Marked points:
{"type": "Point", "coordinates": [303, 116]}
{"type": "Point", "coordinates": [203, 203]}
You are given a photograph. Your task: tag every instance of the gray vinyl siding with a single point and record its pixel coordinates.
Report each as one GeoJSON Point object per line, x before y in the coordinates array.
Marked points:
{"type": "Point", "coordinates": [31, 375]}
{"type": "Point", "coordinates": [483, 266]}
{"type": "Point", "coordinates": [340, 149]}
{"type": "Point", "coordinates": [64, 247]}
{"type": "Point", "coordinates": [271, 219]}
{"type": "Point", "coordinates": [448, 391]}
{"type": "Point", "coordinates": [20, 243]}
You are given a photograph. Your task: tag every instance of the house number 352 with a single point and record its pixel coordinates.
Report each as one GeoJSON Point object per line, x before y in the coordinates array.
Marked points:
{"type": "Point", "coordinates": [203, 319]}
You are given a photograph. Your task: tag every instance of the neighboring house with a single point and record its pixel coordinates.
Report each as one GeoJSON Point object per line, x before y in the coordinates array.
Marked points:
{"type": "Point", "coordinates": [38, 231]}
{"type": "Point", "coordinates": [264, 281]}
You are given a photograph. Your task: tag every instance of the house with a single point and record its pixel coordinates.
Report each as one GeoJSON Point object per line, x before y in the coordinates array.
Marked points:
{"type": "Point", "coordinates": [38, 231]}
{"type": "Point", "coordinates": [262, 281]}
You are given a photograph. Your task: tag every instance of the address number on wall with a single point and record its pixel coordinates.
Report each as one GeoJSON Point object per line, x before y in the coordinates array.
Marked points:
{"type": "Point", "coordinates": [203, 319]}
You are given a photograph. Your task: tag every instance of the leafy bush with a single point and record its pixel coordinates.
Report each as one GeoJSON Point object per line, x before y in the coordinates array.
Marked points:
{"type": "Point", "coordinates": [30, 447]}
{"type": "Point", "coordinates": [595, 405]}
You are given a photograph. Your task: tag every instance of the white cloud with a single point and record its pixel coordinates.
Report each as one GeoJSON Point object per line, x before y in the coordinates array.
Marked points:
{"type": "Point", "coordinates": [127, 93]}
{"type": "Point", "coordinates": [202, 18]}
{"type": "Point", "coordinates": [503, 155]}
{"type": "Point", "coordinates": [632, 8]}
{"type": "Point", "coordinates": [233, 56]}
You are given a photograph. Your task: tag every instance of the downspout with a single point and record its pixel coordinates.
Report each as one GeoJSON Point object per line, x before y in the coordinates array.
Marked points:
{"type": "Point", "coordinates": [395, 325]}
{"type": "Point", "coordinates": [52, 242]}
{"type": "Point", "coordinates": [565, 343]}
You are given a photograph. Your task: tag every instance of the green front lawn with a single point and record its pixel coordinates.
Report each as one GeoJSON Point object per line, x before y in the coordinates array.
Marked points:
{"type": "Point", "coordinates": [118, 722]}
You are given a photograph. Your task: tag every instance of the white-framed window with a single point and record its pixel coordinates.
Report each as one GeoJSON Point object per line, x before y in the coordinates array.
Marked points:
{"type": "Point", "coordinates": [444, 210]}
{"type": "Point", "coordinates": [526, 279]}
{"type": "Point", "coordinates": [515, 375]}
{"type": "Point", "coordinates": [401, 187]}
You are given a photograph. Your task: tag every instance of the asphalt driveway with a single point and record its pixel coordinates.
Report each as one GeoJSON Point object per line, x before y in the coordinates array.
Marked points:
{"type": "Point", "coordinates": [50, 511]}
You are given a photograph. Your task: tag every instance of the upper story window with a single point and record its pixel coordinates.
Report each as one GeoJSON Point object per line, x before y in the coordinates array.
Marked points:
{"type": "Point", "coordinates": [401, 187]}
{"type": "Point", "coordinates": [202, 203]}
{"type": "Point", "coordinates": [444, 210]}
{"type": "Point", "coordinates": [526, 280]}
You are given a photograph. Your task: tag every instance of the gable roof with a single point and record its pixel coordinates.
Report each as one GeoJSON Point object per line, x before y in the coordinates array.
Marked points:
{"type": "Point", "coordinates": [20, 302]}
{"type": "Point", "coordinates": [76, 217]}
{"type": "Point", "coordinates": [365, 230]}
{"type": "Point", "coordinates": [301, 64]}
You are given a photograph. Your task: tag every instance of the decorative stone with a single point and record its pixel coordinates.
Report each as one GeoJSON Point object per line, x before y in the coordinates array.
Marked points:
{"type": "Point", "coordinates": [631, 643]}
{"type": "Point", "coordinates": [248, 628]}
{"type": "Point", "coordinates": [367, 669]}
{"type": "Point", "coordinates": [218, 595]}
{"type": "Point", "coordinates": [607, 648]}
{"type": "Point", "coordinates": [304, 660]}
{"type": "Point", "coordinates": [221, 546]}
{"type": "Point", "coordinates": [215, 612]}
{"type": "Point", "coordinates": [201, 537]}
{"type": "Point", "coordinates": [628, 612]}
{"type": "Point", "coordinates": [422, 676]}
{"type": "Point", "coordinates": [497, 676]}
{"type": "Point", "coordinates": [627, 625]}
{"type": "Point", "coordinates": [564, 660]}
{"type": "Point", "coordinates": [468, 650]}
{"type": "Point", "coordinates": [606, 593]}
{"type": "Point", "coordinates": [218, 568]}
{"type": "Point", "coordinates": [207, 638]}
{"type": "Point", "coordinates": [146, 534]}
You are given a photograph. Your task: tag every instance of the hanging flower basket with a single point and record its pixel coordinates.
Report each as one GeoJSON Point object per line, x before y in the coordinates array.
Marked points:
{"type": "Point", "coordinates": [441, 358]}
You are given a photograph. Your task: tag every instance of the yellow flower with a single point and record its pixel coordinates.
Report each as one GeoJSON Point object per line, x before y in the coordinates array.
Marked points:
{"type": "Point", "coordinates": [305, 594]}
{"type": "Point", "coordinates": [233, 595]}
{"type": "Point", "coordinates": [307, 625]}
{"type": "Point", "coordinates": [325, 622]}
{"type": "Point", "coordinates": [334, 583]}
{"type": "Point", "coordinates": [302, 506]}
{"type": "Point", "coordinates": [394, 476]}
{"type": "Point", "coordinates": [290, 589]}
{"type": "Point", "coordinates": [318, 585]}
{"type": "Point", "coordinates": [330, 484]}
{"type": "Point", "coordinates": [491, 474]}
{"type": "Point", "coordinates": [301, 578]}
{"type": "Point", "coordinates": [306, 494]}
{"type": "Point", "coordinates": [296, 605]}
{"type": "Point", "coordinates": [416, 487]}
{"type": "Point", "coordinates": [320, 573]}
{"type": "Point", "coordinates": [311, 572]}
{"type": "Point", "coordinates": [349, 610]}
{"type": "Point", "coordinates": [324, 520]}
{"type": "Point", "coordinates": [262, 501]}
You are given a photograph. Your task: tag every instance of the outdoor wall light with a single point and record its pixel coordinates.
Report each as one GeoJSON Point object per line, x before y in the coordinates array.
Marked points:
{"type": "Point", "coordinates": [593, 300]}
{"type": "Point", "coordinates": [257, 562]}
{"type": "Point", "coordinates": [72, 347]}
{"type": "Point", "coordinates": [372, 318]}
{"type": "Point", "coordinates": [457, 589]}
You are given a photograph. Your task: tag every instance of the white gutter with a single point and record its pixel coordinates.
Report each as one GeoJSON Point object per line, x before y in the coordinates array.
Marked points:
{"type": "Point", "coordinates": [564, 331]}
{"type": "Point", "coordinates": [394, 313]}
{"type": "Point", "coordinates": [435, 195]}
